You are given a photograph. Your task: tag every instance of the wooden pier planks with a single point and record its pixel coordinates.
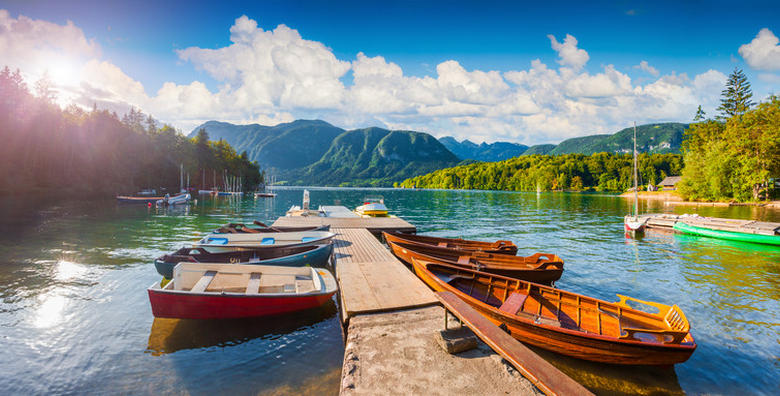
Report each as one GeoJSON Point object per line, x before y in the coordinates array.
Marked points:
{"type": "Point", "coordinates": [541, 373]}
{"type": "Point", "coordinates": [374, 224]}
{"type": "Point", "coordinates": [371, 279]}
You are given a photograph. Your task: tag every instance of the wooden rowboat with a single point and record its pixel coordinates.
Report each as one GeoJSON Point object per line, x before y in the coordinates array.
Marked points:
{"type": "Point", "coordinates": [540, 267]}
{"type": "Point", "coordinates": [569, 323]}
{"type": "Point", "coordinates": [314, 255]}
{"type": "Point", "coordinates": [228, 291]}
{"type": "Point", "coordinates": [218, 243]}
{"type": "Point", "coordinates": [258, 227]}
{"type": "Point", "coordinates": [137, 200]}
{"type": "Point", "coordinates": [500, 247]}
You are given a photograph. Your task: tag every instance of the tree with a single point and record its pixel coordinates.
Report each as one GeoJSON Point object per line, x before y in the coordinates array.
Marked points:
{"type": "Point", "coordinates": [736, 96]}
{"type": "Point", "coordinates": [44, 90]}
{"type": "Point", "coordinates": [699, 115]}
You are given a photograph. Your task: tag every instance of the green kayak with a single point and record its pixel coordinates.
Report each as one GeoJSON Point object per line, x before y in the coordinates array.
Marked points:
{"type": "Point", "coordinates": [730, 235]}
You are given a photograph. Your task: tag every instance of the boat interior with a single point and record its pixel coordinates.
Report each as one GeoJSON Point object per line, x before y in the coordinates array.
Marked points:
{"type": "Point", "coordinates": [553, 307]}
{"type": "Point", "coordinates": [244, 279]}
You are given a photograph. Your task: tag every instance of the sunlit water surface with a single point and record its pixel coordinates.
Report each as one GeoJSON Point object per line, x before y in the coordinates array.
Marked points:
{"type": "Point", "coordinates": [75, 316]}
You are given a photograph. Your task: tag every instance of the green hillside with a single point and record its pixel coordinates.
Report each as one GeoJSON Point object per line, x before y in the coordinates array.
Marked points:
{"type": "Point", "coordinates": [650, 138]}
{"type": "Point", "coordinates": [375, 156]}
{"type": "Point", "coordinates": [314, 152]}
{"type": "Point", "coordinates": [539, 149]}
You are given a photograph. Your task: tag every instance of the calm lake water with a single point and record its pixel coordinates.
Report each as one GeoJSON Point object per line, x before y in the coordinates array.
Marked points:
{"type": "Point", "coordinates": [75, 316]}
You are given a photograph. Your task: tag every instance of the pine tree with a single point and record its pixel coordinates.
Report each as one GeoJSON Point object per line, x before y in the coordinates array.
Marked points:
{"type": "Point", "coordinates": [736, 96]}
{"type": "Point", "coordinates": [699, 115]}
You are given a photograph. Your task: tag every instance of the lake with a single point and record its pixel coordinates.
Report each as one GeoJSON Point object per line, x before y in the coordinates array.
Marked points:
{"type": "Point", "coordinates": [75, 315]}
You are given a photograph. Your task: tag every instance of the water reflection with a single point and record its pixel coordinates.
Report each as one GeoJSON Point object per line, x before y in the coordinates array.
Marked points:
{"type": "Point", "coordinates": [50, 310]}
{"type": "Point", "coordinates": [171, 335]}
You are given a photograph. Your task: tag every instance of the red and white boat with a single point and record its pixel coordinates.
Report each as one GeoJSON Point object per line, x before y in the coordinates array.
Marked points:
{"type": "Point", "coordinates": [229, 291]}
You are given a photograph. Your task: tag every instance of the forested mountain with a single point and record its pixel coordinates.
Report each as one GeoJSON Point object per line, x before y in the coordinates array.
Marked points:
{"type": "Point", "coordinates": [650, 138]}
{"type": "Point", "coordinates": [539, 149]}
{"type": "Point", "coordinates": [315, 152]}
{"type": "Point", "coordinates": [491, 152]}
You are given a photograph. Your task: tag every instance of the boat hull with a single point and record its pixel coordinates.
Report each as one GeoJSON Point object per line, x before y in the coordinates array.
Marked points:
{"type": "Point", "coordinates": [545, 274]}
{"type": "Point", "coordinates": [202, 306]}
{"type": "Point", "coordinates": [727, 235]}
{"type": "Point", "coordinates": [498, 247]}
{"type": "Point", "coordinates": [317, 257]}
{"type": "Point", "coordinates": [593, 348]}
{"type": "Point", "coordinates": [137, 200]}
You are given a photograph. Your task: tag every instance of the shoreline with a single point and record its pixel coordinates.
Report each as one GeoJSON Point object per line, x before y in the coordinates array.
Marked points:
{"type": "Point", "coordinates": [671, 198]}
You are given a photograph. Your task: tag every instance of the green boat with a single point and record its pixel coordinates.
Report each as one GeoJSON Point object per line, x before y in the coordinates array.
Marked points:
{"type": "Point", "coordinates": [729, 235]}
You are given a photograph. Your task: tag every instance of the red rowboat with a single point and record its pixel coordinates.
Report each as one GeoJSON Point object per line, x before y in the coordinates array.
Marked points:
{"type": "Point", "coordinates": [227, 291]}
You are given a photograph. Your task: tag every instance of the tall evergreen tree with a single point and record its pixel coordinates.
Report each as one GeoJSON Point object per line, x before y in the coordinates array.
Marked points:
{"type": "Point", "coordinates": [699, 115]}
{"type": "Point", "coordinates": [736, 96]}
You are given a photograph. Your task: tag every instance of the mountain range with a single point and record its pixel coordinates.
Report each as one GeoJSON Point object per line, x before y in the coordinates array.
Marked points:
{"type": "Point", "coordinates": [651, 138]}
{"type": "Point", "coordinates": [314, 152]}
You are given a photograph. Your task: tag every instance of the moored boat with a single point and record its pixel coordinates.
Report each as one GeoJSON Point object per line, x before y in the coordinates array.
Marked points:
{"type": "Point", "coordinates": [681, 226]}
{"type": "Point", "coordinates": [137, 200]}
{"type": "Point", "coordinates": [313, 255]}
{"type": "Point", "coordinates": [540, 267]}
{"type": "Point", "coordinates": [178, 199]}
{"type": "Point", "coordinates": [372, 207]}
{"type": "Point", "coordinates": [500, 247]}
{"type": "Point", "coordinates": [216, 243]}
{"type": "Point", "coordinates": [569, 323]}
{"type": "Point", "coordinates": [258, 227]}
{"type": "Point", "coordinates": [225, 291]}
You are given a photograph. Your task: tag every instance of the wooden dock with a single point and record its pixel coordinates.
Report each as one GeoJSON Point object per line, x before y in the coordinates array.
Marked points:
{"type": "Point", "coordinates": [667, 221]}
{"type": "Point", "coordinates": [371, 278]}
{"type": "Point", "coordinates": [391, 316]}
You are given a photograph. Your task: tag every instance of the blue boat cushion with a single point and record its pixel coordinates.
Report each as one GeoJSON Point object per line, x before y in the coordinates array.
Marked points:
{"type": "Point", "coordinates": [308, 239]}
{"type": "Point", "coordinates": [218, 241]}
{"type": "Point", "coordinates": [267, 241]}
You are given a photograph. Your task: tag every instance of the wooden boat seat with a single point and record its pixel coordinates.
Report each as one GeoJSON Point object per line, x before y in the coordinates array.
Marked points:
{"type": "Point", "coordinates": [514, 303]}
{"type": "Point", "coordinates": [464, 260]}
{"type": "Point", "coordinates": [253, 286]}
{"type": "Point", "coordinates": [443, 244]}
{"type": "Point", "coordinates": [203, 282]}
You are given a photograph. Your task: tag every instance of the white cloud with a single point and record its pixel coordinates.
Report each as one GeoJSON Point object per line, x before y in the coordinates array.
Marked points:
{"type": "Point", "coordinates": [763, 53]}
{"type": "Point", "coordinates": [273, 76]}
{"type": "Point", "coordinates": [644, 66]}
{"type": "Point", "coordinates": [568, 52]}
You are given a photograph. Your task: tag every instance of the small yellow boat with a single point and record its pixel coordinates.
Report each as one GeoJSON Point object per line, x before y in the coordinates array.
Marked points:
{"type": "Point", "coordinates": [372, 207]}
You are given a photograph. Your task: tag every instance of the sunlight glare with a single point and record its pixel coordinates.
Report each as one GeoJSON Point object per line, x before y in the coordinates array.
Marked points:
{"type": "Point", "coordinates": [49, 312]}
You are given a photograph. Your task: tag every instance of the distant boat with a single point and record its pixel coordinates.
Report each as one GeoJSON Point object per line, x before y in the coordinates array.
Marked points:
{"type": "Point", "coordinates": [499, 247]}
{"type": "Point", "coordinates": [137, 200]}
{"type": "Point", "coordinates": [217, 243]}
{"type": "Point", "coordinates": [372, 207]}
{"type": "Point", "coordinates": [179, 199]}
{"type": "Point", "coordinates": [568, 323]}
{"type": "Point", "coordinates": [230, 291]}
{"type": "Point", "coordinates": [313, 255]}
{"type": "Point", "coordinates": [633, 223]}
{"type": "Point", "coordinates": [264, 195]}
{"type": "Point", "coordinates": [207, 192]}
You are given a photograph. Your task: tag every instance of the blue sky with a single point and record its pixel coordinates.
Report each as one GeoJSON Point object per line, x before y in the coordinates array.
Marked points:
{"type": "Point", "coordinates": [677, 40]}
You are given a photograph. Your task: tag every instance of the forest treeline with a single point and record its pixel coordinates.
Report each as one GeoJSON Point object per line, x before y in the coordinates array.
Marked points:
{"type": "Point", "coordinates": [572, 172]}
{"type": "Point", "coordinates": [48, 149]}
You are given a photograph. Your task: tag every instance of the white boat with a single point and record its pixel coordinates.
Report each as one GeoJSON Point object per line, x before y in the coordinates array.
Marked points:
{"type": "Point", "coordinates": [220, 243]}
{"type": "Point", "coordinates": [372, 207]}
{"type": "Point", "coordinates": [179, 199]}
{"type": "Point", "coordinates": [633, 223]}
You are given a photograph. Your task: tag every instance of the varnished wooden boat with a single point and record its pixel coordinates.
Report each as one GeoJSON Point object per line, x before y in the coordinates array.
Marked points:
{"type": "Point", "coordinates": [569, 323]}
{"type": "Point", "coordinates": [540, 267]}
{"type": "Point", "coordinates": [225, 291]}
{"type": "Point", "coordinates": [313, 255]}
{"type": "Point", "coordinates": [500, 247]}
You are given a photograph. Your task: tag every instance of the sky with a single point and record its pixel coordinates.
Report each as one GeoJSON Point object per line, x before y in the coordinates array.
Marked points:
{"type": "Point", "coordinates": [486, 71]}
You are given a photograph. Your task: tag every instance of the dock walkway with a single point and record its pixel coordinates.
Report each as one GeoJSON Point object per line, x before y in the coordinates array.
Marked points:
{"type": "Point", "coordinates": [391, 318]}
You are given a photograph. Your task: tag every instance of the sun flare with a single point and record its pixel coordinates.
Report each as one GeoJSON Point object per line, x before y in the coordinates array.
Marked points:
{"type": "Point", "coordinates": [64, 72]}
